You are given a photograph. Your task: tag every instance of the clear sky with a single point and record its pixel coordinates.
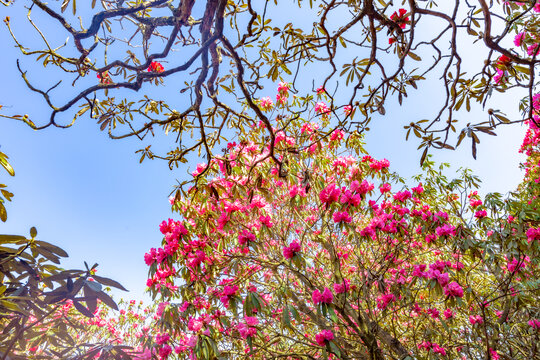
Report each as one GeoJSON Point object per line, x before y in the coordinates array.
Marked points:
{"type": "Point", "coordinates": [89, 194]}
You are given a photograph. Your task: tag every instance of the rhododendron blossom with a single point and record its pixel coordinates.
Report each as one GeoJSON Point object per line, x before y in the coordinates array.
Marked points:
{"type": "Point", "coordinates": [323, 337]}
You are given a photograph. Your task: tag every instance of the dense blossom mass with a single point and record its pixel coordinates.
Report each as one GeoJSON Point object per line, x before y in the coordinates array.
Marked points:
{"type": "Point", "coordinates": [332, 255]}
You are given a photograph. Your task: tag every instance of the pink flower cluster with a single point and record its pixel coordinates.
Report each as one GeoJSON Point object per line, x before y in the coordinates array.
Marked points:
{"type": "Point", "coordinates": [246, 237]}
{"type": "Point", "coordinates": [476, 319]}
{"type": "Point", "coordinates": [446, 230]}
{"type": "Point", "coordinates": [342, 216]}
{"type": "Point", "coordinates": [248, 328]}
{"type": "Point", "coordinates": [266, 103]}
{"type": "Point", "coordinates": [227, 293]}
{"type": "Point", "coordinates": [321, 108]}
{"type": "Point", "coordinates": [533, 234]}
{"type": "Point", "coordinates": [453, 290]}
{"type": "Point", "coordinates": [384, 300]}
{"type": "Point", "coordinates": [436, 348]}
{"type": "Point", "coordinates": [324, 337]}
{"type": "Point", "coordinates": [534, 323]}
{"type": "Point", "coordinates": [325, 297]}
{"type": "Point", "coordinates": [291, 250]}
{"type": "Point", "coordinates": [173, 231]}
{"type": "Point", "coordinates": [343, 287]}
{"type": "Point", "coordinates": [329, 194]}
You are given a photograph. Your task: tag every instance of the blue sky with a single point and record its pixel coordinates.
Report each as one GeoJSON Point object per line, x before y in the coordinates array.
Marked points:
{"type": "Point", "coordinates": [90, 195]}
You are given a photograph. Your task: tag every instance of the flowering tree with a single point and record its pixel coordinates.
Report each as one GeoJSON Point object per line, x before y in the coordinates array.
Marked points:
{"type": "Point", "coordinates": [293, 242]}
{"type": "Point", "coordinates": [222, 53]}
{"type": "Point", "coordinates": [331, 255]}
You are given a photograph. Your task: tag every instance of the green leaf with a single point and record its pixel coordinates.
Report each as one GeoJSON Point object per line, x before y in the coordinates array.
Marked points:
{"type": "Point", "coordinates": [3, 212]}
{"type": "Point", "coordinates": [95, 286]}
{"type": "Point", "coordinates": [11, 238]}
{"type": "Point", "coordinates": [423, 158]}
{"type": "Point", "coordinates": [52, 248]}
{"type": "Point", "coordinates": [414, 56]}
{"type": "Point", "coordinates": [334, 349]}
{"type": "Point", "coordinates": [5, 164]}
{"type": "Point", "coordinates": [286, 317]}
{"type": "Point", "coordinates": [83, 310]}
{"type": "Point", "coordinates": [109, 282]}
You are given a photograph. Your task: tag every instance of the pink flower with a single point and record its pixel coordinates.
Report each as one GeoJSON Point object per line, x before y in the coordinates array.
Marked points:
{"type": "Point", "coordinates": [266, 221]}
{"type": "Point", "coordinates": [534, 323]}
{"type": "Point", "coordinates": [533, 234]}
{"type": "Point", "coordinates": [283, 88]}
{"type": "Point", "coordinates": [245, 237]}
{"type": "Point", "coordinates": [323, 337]}
{"type": "Point", "coordinates": [516, 264]}
{"type": "Point", "coordinates": [325, 297]}
{"type": "Point", "coordinates": [476, 319]}
{"type": "Point", "coordinates": [532, 50]}
{"type": "Point", "coordinates": [162, 338]}
{"type": "Point", "coordinates": [419, 189]}
{"type": "Point", "coordinates": [321, 108]}
{"type": "Point", "coordinates": [251, 320]}
{"type": "Point", "coordinates": [347, 109]}
{"type": "Point", "coordinates": [281, 99]}
{"type": "Point", "coordinates": [438, 349]}
{"type": "Point", "coordinates": [402, 196]}
{"type": "Point", "coordinates": [384, 300]}
{"type": "Point", "coordinates": [347, 197]}
{"type": "Point", "coordinates": [309, 128]}
{"type": "Point", "coordinates": [518, 40]}
{"type": "Point", "coordinates": [342, 216]}
{"type": "Point", "coordinates": [150, 257]}
{"type": "Point", "coordinates": [342, 287]}
{"type": "Point", "coordinates": [480, 214]}
{"type": "Point", "coordinates": [448, 314]}
{"type": "Point", "coordinates": [536, 102]}
{"type": "Point", "coordinates": [227, 293]}
{"type": "Point", "coordinates": [498, 77]}
{"type": "Point", "coordinates": [291, 250]}
{"type": "Point", "coordinates": [434, 313]}
{"type": "Point", "coordinates": [195, 325]}
{"type": "Point", "coordinates": [446, 230]}
{"type": "Point", "coordinates": [199, 170]}
{"type": "Point", "coordinates": [475, 203]}
{"type": "Point", "coordinates": [248, 329]}
{"type": "Point", "coordinates": [443, 279]}
{"type": "Point", "coordinates": [329, 194]}
{"type": "Point", "coordinates": [494, 354]}
{"type": "Point", "coordinates": [379, 165]}
{"type": "Point", "coordinates": [385, 188]}
{"type": "Point", "coordinates": [337, 135]}
{"type": "Point", "coordinates": [165, 351]}
{"type": "Point", "coordinates": [453, 289]}
{"type": "Point", "coordinates": [362, 188]}
{"type": "Point", "coordinates": [266, 103]}
{"type": "Point", "coordinates": [320, 90]}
